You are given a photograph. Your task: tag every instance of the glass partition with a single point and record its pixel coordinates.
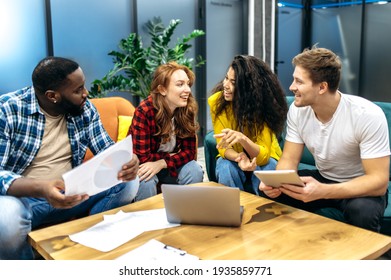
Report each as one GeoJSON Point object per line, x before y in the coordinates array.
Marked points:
{"type": "Point", "coordinates": [224, 40]}
{"type": "Point", "coordinates": [289, 43]}
{"type": "Point", "coordinates": [376, 66]}
{"type": "Point", "coordinates": [339, 29]}
{"type": "Point", "coordinates": [360, 39]}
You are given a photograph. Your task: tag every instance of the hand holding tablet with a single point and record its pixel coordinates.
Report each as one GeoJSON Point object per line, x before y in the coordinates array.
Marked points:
{"type": "Point", "coordinates": [276, 178]}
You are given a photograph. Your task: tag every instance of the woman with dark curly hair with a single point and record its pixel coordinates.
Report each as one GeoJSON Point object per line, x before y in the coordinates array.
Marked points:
{"type": "Point", "coordinates": [164, 130]}
{"type": "Point", "coordinates": [248, 111]}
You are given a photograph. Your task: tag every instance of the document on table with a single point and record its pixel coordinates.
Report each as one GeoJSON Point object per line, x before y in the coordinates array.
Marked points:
{"type": "Point", "coordinates": [118, 229]}
{"type": "Point", "coordinates": [154, 250]}
{"type": "Point", "coordinates": [100, 172]}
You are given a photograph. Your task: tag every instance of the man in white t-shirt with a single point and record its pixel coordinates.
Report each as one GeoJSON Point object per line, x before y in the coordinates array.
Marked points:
{"type": "Point", "coordinates": [348, 137]}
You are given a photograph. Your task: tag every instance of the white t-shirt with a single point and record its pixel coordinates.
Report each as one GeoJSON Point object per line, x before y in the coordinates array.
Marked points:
{"type": "Point", "coordinates": [169, 146]}
{"type": "Point", "coordinates": [358, 130]}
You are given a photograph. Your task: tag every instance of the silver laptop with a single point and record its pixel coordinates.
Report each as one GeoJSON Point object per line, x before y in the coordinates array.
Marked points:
{"type": "Point", "coordinates": [202, 205]}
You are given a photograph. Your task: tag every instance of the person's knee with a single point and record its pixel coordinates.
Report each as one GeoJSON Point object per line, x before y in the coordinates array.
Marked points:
{"type": "Point", "coordinates": [116, 196]}
{"type": "Point", "coordinates": [133, 187]}
{"type": "Point", "coordinates": [13, 214]}
{"type": "Point", "coordinates": [124, 192]}
{"type": "Point", "coordinates": [228, 171]}
{"type": "Point", "coordinates": [363, 213]}
{"type": "Point", "coordinates": [191, 173]}
{"type": "Point", "coordinates": [147, 188]}
{"type": "Point", "coordinates": [225, 166]}
{"type": "Point", "coordinates": [229, 174]}
{"type": "Point", "coordinates": [270, 165]}
{"type": "Point", "coordinates": [15, 224]}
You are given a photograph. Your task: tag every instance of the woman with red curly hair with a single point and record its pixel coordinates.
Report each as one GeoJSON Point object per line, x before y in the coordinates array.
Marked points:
{"type": "Point", "coordinates": [164, 130]}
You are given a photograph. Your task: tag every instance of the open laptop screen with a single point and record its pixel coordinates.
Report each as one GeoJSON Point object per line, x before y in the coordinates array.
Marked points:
{"type": "Point", "coordinates": [202, 205]}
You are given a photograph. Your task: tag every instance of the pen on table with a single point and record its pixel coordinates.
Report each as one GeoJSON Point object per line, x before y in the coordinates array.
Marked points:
{"type": "Point", "coordinates": [175, 250]}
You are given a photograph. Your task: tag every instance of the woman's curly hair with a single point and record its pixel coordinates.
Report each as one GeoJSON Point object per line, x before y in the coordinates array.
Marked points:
{"type": "Point", "coordinates": [258, 97]}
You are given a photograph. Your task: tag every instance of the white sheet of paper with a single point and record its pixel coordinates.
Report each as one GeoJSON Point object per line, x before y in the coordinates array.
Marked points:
{"type": "Point", "coordinates": [157, 251]}
{"type": "Point", "coordinates": [118, 229]}
{"type": "Point", "coordinates": [100, 172]}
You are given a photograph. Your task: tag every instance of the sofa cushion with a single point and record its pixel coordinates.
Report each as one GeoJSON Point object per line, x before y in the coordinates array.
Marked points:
{"type": "Point", "coordinates": [307, 160]}
{"type": "Point", "coordinates": [306, 166]}
{"type": "Point", "coordinates": [210, 153]}
{"type": "Point", "coordinates": [124, 123]}
{"type": "Point", "coordinates": [386, 220]}
{"type": "Point", "coordinates": [109, 109]}
{"type": "Point", "coordinates": [386, 107]}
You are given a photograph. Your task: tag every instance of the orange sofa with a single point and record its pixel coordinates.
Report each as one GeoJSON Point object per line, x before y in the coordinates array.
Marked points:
{"type": "Point", "coordinates": [114, 113]}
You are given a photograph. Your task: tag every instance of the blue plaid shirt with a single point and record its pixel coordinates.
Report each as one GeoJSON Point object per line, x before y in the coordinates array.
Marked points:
{"type": "Point", "coordinates": [21, 130]}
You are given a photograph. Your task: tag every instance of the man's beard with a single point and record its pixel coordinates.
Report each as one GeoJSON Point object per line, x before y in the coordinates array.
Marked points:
{"type": "Point", "coordinates": [70, 108]}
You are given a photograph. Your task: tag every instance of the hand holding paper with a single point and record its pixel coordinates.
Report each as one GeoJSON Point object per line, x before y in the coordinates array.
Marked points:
{"type": "Point", "coordinates": [101, 172]}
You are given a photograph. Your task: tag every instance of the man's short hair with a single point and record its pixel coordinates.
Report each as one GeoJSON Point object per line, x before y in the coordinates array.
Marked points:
{"type": "Point", "coordinates": [322, 65]}
{"type": "Point", "coordinates": [51, 73]}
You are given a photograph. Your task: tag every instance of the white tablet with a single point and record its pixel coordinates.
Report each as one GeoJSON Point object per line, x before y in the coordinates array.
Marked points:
{"type": "Point", "coordinates": [275, 178]}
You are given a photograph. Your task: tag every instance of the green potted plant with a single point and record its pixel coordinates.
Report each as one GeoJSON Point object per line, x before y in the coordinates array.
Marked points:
{"type": "Point", "coordinates": [135, 64]}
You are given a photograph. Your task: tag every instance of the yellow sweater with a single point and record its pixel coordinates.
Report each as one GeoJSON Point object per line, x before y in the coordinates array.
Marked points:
{"type": "Point", "coordinates": [266, 140]}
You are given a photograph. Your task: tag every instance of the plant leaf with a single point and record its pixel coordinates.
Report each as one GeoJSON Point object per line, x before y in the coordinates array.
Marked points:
{"type": "Point", "coordinates": [135, 64]}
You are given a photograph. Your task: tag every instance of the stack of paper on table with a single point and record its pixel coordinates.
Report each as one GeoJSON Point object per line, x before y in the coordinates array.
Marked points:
{"type": "Point", "coordinates": [118, 229]}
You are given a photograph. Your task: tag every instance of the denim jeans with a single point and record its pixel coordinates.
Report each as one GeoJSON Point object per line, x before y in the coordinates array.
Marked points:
{"type": "Point", "coordinates": [189, 173]}
{"type": "Point", "coordinates": [229, 173]}
{"type": "Point", "coordinates": [365, 212]}
{"type": "Point", "coordinates": [18, 216]}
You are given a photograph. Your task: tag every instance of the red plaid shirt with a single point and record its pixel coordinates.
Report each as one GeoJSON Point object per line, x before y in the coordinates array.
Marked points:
{"type": "Point", "coordinates": [146, 145]}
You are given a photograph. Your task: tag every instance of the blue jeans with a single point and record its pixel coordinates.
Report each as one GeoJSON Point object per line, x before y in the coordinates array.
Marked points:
{"type": "Point", "coordinates": [18, 216]}
{"type": "Point", "coordinates": [189, 173]}
{"type": "Point", "coordinates": [229, 173]}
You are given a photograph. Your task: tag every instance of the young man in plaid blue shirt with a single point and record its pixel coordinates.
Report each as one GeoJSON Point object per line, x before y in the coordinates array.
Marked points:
{"type": "Point", "coordinates": [45, 131]}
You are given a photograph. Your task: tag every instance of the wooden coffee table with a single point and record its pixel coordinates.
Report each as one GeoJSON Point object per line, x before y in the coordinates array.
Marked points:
{"type": "Point", "coordinates": [269, 231]}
